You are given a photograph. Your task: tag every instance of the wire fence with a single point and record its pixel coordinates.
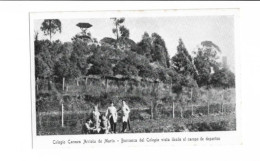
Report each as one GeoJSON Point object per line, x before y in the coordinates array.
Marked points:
{"type": "Point", "coordinates": [73, 119]}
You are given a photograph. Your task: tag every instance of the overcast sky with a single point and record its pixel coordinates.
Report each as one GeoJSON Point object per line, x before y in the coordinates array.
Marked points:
{"type": "Point", "coordinates": [192, 30]}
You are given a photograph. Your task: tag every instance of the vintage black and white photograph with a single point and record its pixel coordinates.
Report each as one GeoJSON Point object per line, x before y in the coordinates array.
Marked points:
{"type": "Point", "coordinates": [134, 74]}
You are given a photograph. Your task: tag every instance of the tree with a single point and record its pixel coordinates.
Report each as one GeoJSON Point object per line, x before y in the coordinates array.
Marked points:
{"type": "Point", "coordinates": [62, 68]}
{"type": "Point", "coordinates": [51, 26]}
{"type": "Point", "coordinates": [84, 27]}
{"type": "Point", "coordinates": [122, 35]}
{"type": "Point", "coordinates": [43, 59]}
{"type": "Point", "coordinates": [100, 64]}
{"type": "Point", "coordinates": [124, 32]}
{"type": "Point", "coordinates": [145, 46]}
{"type": "Point", "coordinates": [160, 52]}
{"type": "Point", "coordinates": [223, 78]}
{"type": "Point", "coordinates": [127, 66]}
{"type": "Point", "coordinates": [84, 35]}
{"type": "Point", "coordinates": [206, 62]}
{"type": "Point", "coordinates": [80, 53]}
{"type": "Point", "coordinates": [182, 60]}
{"type": "Point", "coordinates": [118, 24]}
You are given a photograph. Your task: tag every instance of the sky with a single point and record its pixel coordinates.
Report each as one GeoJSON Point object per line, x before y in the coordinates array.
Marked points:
{"type": "Point", "coordinates": [191, 29]}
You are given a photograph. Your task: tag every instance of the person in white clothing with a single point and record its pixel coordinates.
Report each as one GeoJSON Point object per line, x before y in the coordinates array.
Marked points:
{"type": "Point", "coordinates": [125, 118]}
{"type": "Point", "coordinates": [95, 115]}
{"type": "Point", "coordinates": [111, 114]}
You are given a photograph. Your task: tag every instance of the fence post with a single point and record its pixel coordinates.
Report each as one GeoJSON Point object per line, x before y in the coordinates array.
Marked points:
{"type": "Point", "coordinates": [181, 112]}
{"type": "Point", "coordinates": [86, 81]}
{"type": "Point", "coordinates": [208, 103]}
{"type": "Point", "coordinates": [191, 103]}
{"type": "Point", "coordinates": [62, 117]}
{"type": "Point", "coordinates": [173, 108]}
{"type": "Point", "coordinates": [37, 85]}
{"type": "Point", "coordinates": [63, 83]}
{"type": "Point", "coordinates": [40, 120]}
{"type": "Point", "coordinates": [151, 109]}
{"type": "Point", "coordinates": [222, 103]}
{"type": "Point", "coordinates": [77, 80]}
{"type": "Point", "coordinates": [106, 84]}
{"type": "Point", "coordinates": [125, 85]}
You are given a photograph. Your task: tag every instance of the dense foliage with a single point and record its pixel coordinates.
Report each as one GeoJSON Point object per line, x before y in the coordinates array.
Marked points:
{"type": "Point", "coordinates": [148, 59]}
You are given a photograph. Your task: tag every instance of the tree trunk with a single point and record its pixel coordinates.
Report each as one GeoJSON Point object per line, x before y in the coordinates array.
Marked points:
{"type": "Point", "coordinates": [117, 36]}
{"type": "Point", "coordinates": [50, 28]}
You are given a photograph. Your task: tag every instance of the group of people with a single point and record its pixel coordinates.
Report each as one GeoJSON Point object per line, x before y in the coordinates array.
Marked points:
{"type": "Point", "coordinates": [106, 123]}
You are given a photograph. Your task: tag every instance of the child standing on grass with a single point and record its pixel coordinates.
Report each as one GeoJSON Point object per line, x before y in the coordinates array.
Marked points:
{"type": "Point", "coordinates": [111, 114]}
{"type": "Point", "coordinates": [104, 125]}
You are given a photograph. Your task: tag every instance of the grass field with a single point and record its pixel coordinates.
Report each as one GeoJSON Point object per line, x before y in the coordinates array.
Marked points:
{"type": "Point", "coordinates": [214, 122]}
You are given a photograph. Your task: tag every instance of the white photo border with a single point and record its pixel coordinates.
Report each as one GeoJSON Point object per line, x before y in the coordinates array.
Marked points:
{"type": "Point", "coordinates": [226, 137]}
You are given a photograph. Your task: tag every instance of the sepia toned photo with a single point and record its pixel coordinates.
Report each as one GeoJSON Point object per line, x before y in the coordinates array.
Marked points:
{"type": "Point", "coordinates": [134, 74]}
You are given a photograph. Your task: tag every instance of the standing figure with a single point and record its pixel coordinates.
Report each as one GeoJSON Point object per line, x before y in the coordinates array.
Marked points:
{"type": "Point", "coordinates": [125, 119]}
{"type": "Point", "coordinates": [104, 125]}
{"type": "Point", "coordinates": [111, 114]}
{"type": "Point", "coordinates": [95, 115]}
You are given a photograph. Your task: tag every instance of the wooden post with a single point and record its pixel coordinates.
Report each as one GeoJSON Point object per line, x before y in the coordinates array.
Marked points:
{"type": "Point", "coordinates": [40, 120]}
{"type": "Point", "coordinates": [173, 109]}
{"type": "Point", "coordinates": [106, 84]}
{"type": "Point", "coordinates": [62, 117]}
{"type": "Point", "coordinates": [86, 82]}
{"type": "Point", "coordinates": [63, 84]}
{"type": "Point", "coordinates": [191, 103]}
{"type": "Point", "coordinates": [37, 85]}
{"type": "Point", "coordinates": [151, 110]}
{"type": "Point", "coordinates": [125, 85]}
{"type": "Point", "coordinates": [208, 103]}
{"type": "Point", "coordinates": [208, 107]}
{"type": "Point", "coordinates": [181, 112]}
{"type": "Point", "coordinates": [222, 103]}
{"type": "Point", "coordinates": [77, 80]}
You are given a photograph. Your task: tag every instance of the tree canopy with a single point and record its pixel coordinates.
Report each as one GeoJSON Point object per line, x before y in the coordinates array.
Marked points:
{"type": "Point", "coordinates": [147, 59]}
{"type": "Point", "coordinates": [51, 26]}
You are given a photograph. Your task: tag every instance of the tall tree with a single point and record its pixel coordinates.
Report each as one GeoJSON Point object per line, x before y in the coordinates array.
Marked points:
{"type": "Point", "coordinates": [80, 53]}
{"type": "Point", "coordinates": [223, 78]}
{"type": "Point", "coordinates": [182, 60]}
{"type": "Point", "coordinates": [100, 63]}
{"type": "Point", "coordinates": [51, 26]}
{"type": "Point", "coordinates": [160, 52]}
{"type": "Point", "coordinates": [206, 62]}
{"type": "Point", "coordinates": [118, 24]}
{"type": "Point", "coordinates": [145, 46]}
